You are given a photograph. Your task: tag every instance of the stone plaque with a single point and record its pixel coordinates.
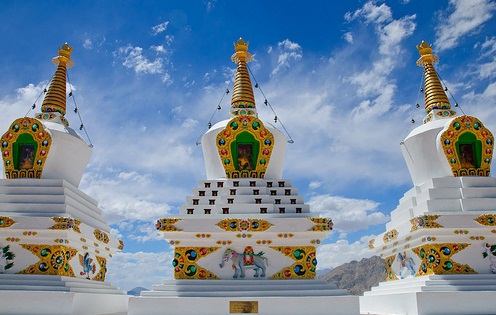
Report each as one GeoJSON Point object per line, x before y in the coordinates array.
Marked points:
{"type": "Point", "coordinates": [243, 307]}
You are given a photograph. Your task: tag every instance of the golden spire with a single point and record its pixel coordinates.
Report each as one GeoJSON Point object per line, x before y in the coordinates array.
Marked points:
{"type": "Point", "coordinates": [55, 99]}
{"type": "Point", "coordinates": [434, 95]}
{"type": "Point", "coordinates": [242, 96]}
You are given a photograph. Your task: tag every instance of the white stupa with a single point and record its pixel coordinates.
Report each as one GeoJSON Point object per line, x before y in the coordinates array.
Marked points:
{"type": "Point", "coordinates": [54, 241]}
{"type": "Point", "coordinates": [245, 241]}
{"type": "Point", "coordinates": [440, 246]}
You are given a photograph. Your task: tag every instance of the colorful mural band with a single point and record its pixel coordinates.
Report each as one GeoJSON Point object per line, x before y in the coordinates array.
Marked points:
{"type": "Point", "coordinates": [185, 262]}
{"type": "Point", "coordinates": [305, 265]}
{"type": "Point", "coordinates": [54, 260]}
{"type": "Point", "coordinates": [436, 259]}
{"type": "Point", "coordinates": [321, 224]}
{"type": "Point", "coordinates": [486, 219]}
{"type": "Point", "coordinates": [101, 236]}
{"type": "Point", "coordinates": [425, 222]}
{"type": "Point", "coordinates": [167, 225]}
{"type": "Point", "coordinates": [244, 225]}
{"type": "Point", "coordinates": [66, 223]}
{"type": "Point", "coordinates": [6, 222]}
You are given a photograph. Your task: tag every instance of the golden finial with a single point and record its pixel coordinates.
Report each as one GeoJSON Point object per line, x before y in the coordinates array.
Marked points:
{"type": "Point", "coordinates": [434, 95]}
{"type": "Point", "coordinates": [241, 54]}
{"type": "Point", "coordinates": [426, 55]}
{"type": "Point", "coordinates": [55, 99]}
{"type": "Point", "coordinates": [242, 96]}
{"type": "Point", "coordinates": [64, 56]}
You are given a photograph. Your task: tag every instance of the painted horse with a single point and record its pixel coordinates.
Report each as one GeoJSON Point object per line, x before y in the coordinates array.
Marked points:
{"type": "Point", "coordinates": [241, 261]}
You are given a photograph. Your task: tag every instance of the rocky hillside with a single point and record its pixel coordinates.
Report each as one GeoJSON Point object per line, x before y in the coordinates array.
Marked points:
{"type": "Point", "coordinates": [357, 276]}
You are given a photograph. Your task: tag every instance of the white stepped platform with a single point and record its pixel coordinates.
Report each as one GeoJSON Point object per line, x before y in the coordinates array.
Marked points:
{"type": "Point", "coordinates": [55, 283]}
{"type": "Point", "coordinates": [434, 294]}
{"type": "Point", "coordinates": [246, 288]}
{"type": "Point", "coordinates": [270, 297]}
{"type": "Point", "coordinates": [44, 294]}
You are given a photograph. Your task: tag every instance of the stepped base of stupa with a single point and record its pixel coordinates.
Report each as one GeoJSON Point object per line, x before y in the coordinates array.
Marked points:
{"type": "Point", "coordinates": [40, 294]}
{"type": "Point", "coordinates": [244, 296]}
{"type": "Point", "coordinates": [434, 294]}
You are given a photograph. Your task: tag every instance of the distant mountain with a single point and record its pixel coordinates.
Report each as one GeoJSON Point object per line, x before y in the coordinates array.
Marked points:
{"type": "Point", "coordinates": [357, 276]}
{"type": "Point", "coordinates": [323, 271]}
{"type": "Point", "coordinates": [136, 291]}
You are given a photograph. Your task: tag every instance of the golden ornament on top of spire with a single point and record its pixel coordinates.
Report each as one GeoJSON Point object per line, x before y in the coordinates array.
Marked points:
{"type": "Point", "coordinates": [241, 54]}
{"type": "Point", "coordinates": [55, 99]}
{"type": "Point", "coordinates": [242, 96]}
{"type": "Point", "coordinates": [434, 95]}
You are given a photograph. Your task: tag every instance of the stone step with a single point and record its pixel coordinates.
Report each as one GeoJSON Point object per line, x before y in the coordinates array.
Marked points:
{"type": "Point", "coordinates": [243, 293]}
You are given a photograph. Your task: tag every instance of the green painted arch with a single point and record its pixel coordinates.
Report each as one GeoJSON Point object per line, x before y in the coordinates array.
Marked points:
{"type": "Point", "coordinates": [24, 151]}
{"type": "Point", "coordinates": [246, 147]}
{"type": "Point", "coordinates": [468, 147]}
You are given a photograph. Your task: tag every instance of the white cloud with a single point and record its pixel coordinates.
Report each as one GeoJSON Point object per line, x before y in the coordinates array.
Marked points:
{"type": "Point", "coordinates": [314, 184]}
{"type": "Point", "coordinates": [189, 123]}
{"type": "Point", "coordinates": [371, 13]}
{"type": "Point", "coordinates": [375, 86]}
{"type": "Point", "coordinates": [15, 106]}
{"type": "Point", "coordinates": [210, 5]}
{"type": "Point", "coordinates": [348, 36]}
{"type": "Point", "coordinates": [488, 69]}
{"type": "Point", "coordinates": [157, 29]}
{"type": "Point", "coordinates": [334, 255]}
{"type": "Point", "coordinates": [139, 231]}
{"type": "Point", "coordinates": [288, 52]}
{"type": "Point", "coordinates": [465, 17]}
{"type": "Point", "coordinates": [489, 46]}
{"type": "Point", "coordinates": [124, 195]}
{"type": "Point", "coordinates": [159, 49]}
{"type": "Point", "coordinates": [134, 59]}
{"type": "Point", "coordinates": [348, 214]}
{"type": "Point", "coordinates": [130, 270]}
{"type": "Point", "coordinates": [88, 44]}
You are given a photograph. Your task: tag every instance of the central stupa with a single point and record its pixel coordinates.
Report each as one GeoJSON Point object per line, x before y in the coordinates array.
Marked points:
{"type": "Point", "coordinates": [245, 241]}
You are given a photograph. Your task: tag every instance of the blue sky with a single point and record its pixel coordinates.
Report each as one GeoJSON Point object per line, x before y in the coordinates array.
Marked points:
{"type": "Point", "coordinates": [341, 76]}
